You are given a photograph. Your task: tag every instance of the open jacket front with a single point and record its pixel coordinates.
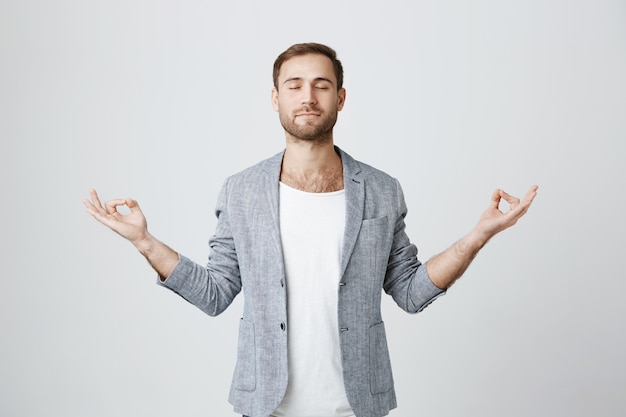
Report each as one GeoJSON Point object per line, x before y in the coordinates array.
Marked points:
{"type": "Point", "coordinates": [246, 254]}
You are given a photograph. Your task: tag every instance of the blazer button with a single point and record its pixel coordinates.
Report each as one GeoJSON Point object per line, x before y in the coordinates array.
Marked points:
{"type": "Point", "coordinates": [283, 326]}
{"type": "Point", "coordinates": [342, 284]}
{"type": "Point", "coordinates": [282, 283]}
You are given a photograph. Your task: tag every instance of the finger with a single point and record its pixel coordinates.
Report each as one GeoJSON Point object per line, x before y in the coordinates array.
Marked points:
{"type": "Point", "coordinates": [522, 208]}
{"type": "Point", "coordinates": [529, 197]}
{"type": "Point", "coordinates": [94, 206]}
{"type": "Point", "coordinates": [513, 201]}
{"type": "Point", "coordinates": [97, 212]}
{"type": "Point", "coordinates": [531, 194]}
{"type": "Point", "coordinates": [89, 206]}
{"type": "Point", "coordinates": [111, 206]}
{"type": "Point", "coordinates": [495, 198]}
{"type": "Point", "coordinates": [95, 198]}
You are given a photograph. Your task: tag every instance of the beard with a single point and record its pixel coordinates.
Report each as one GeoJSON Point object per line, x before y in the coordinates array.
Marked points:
{"type": "Point", "coordinates": [318, 129]}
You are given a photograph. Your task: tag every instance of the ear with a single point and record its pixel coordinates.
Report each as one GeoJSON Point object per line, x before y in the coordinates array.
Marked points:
{"type": "Point", "coordinates": [341, 98]}
{"type": "Point", "coordinates": [275, 98]}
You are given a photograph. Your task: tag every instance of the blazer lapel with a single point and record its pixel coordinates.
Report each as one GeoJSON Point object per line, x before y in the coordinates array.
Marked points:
{"type": "Point", "coordinates": [355, 200]}
{"type": "Point", "coordinates": [271, 195]}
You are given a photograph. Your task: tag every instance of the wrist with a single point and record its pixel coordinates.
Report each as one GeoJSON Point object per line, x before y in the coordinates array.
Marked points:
{"type": "Point", "coordinates": [144, 244]}
{"type": "Point", "coordinates": [474, 241]}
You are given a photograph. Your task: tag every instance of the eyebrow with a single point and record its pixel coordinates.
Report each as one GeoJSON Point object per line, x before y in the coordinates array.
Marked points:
{"type": "Point", "coordinates": [300, 79]}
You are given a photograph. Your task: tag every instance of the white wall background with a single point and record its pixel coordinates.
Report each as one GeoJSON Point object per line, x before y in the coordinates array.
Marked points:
{"type": "Point", "coordinates": [162, 100]}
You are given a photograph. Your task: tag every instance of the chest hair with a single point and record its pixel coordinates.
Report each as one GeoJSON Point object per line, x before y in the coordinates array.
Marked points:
{"type": "Point", "coordinates": [322, 182]}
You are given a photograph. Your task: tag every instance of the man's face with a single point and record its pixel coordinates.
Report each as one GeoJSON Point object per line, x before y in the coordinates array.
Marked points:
{"type": "Point", "coordinates": [307, 100]}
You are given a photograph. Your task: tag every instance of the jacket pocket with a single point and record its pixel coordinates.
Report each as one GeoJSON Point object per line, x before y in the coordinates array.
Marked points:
{"type": "Point", "coordinates": [375, 228]}
{"type": "Point", "coordinates": [381, 379]}
{"type": "Point", "coordinates": [244, 378]}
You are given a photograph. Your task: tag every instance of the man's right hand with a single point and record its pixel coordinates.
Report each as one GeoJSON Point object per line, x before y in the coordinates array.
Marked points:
{"type": "Point", "coordinates": [132, 226]}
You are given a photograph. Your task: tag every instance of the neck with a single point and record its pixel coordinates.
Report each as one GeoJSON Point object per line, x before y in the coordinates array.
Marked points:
{"type": "Point", "coordinates": [305, 157]}
{"type": "Point", "coordinates": [312, 166]}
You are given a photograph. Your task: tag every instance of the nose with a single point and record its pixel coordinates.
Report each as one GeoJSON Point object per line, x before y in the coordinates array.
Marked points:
{"type": "Point", "coordinates": [308, 95]}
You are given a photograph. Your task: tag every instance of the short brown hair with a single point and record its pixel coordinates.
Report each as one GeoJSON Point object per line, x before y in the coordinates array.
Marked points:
{"type": "Point", "coordinates": [309, 48]}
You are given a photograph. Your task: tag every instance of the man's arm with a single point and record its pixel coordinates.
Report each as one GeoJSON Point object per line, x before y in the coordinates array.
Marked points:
{"type": "Point", "coordinates": [134, 228]}
{"type": "Point", "coordinates": [449, 265]}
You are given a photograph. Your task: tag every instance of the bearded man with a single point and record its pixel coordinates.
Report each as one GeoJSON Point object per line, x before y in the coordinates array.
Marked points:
{"type": "Point", "coordinates": [312, 237]}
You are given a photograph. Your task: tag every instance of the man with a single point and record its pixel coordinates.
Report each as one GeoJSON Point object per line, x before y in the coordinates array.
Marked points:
{"type": "Point", "coordinates": [311, 236]}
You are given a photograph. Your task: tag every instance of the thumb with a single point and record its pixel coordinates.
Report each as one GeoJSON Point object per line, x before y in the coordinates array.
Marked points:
{"type": "Point", "coordinates": [132, 204]}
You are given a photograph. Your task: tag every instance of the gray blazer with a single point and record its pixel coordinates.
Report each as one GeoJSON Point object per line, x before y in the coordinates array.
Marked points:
{"type": "Point", "coordinates": [246, 254]}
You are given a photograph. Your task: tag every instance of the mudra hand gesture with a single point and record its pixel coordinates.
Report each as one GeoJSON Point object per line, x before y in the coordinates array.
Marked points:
{"type": "Point", "coordinates": [493, 220]}
{"type": "Point", "coordinates": [132, 226]}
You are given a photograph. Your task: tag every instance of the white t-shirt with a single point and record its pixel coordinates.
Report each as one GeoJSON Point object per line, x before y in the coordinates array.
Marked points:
{"type": "Point", "coordinates": [312, 227]}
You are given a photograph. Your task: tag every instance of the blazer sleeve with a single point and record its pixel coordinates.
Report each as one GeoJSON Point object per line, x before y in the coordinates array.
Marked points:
{"type": "Point", "coordinates": [407, 279]}
{"type": "Point", "coordinates": [214, 287]}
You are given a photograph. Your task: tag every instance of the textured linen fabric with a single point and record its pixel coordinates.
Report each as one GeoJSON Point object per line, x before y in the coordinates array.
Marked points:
{"type": "Point", "coordinates": [246, 254]}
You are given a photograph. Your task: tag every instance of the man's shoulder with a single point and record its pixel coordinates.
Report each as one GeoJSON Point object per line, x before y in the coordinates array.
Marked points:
{"type": "Point", "coordinates": [269, 165]}
{"type": "Point", "coordinates": [357, 168]}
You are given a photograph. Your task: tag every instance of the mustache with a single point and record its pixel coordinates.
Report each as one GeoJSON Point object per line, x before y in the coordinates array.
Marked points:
{"type": "Point", "coordinates": [308, 109]}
